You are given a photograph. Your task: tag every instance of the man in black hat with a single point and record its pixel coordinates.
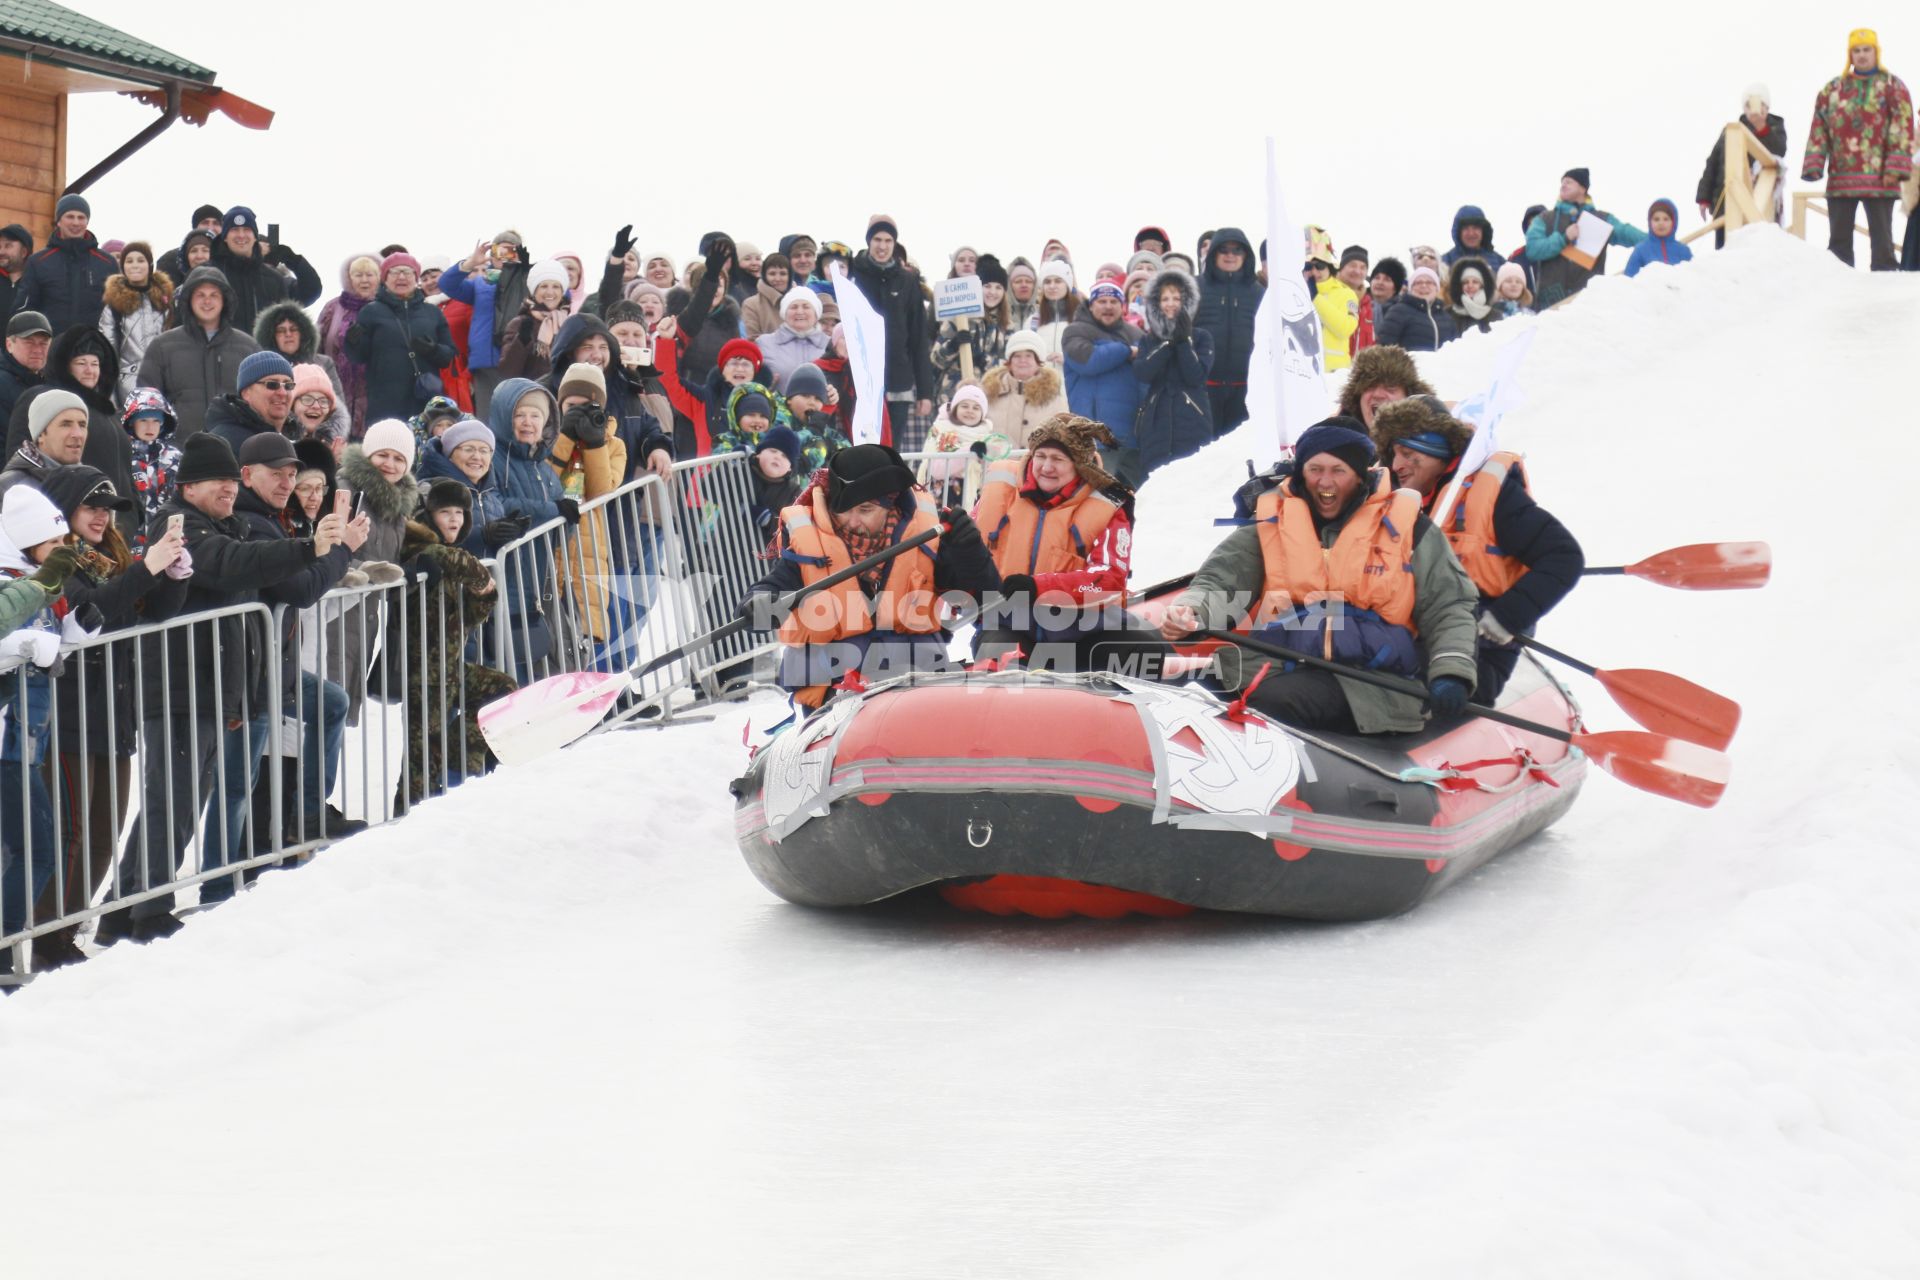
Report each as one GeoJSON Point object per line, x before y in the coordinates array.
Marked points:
{"type": "Point", "coordinates": [201, 716]}
{"type": "Point", "coordinates": [1522, 560]}
{"type": "Point", "coordinates": [1338, 563]}
{"type": "Point", "coordinates": [16, 246]}
{"type": "Point", "coordinates": [1557, 277]}
{"type": "Point", "coordinates": [206, 218]}
{"type": "Point", "coordinates": [886, 622]}
{"type": "Point", "coordinates": [260, 273]}
{"type": "Point", "coordinates": [29, 338]}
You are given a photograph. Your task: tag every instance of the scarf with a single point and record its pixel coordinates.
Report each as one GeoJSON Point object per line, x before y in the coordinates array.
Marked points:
{"type": "Point", "coordinates": [1476, 308]}
{"type": "Point", "coordinates": [860, 546]}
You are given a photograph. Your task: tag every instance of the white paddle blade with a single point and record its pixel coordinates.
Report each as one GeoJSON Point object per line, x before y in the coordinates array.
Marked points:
{"type": "Point", "coordinates": [548, 714]}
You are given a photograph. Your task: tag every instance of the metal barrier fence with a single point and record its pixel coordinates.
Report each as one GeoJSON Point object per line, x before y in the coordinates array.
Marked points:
{"type": "Point", "coordinates": [162, 767]}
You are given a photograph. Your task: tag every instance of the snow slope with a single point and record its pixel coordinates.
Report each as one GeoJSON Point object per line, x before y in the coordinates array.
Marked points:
{"type": "Point", "coordinates": [551, 1025]}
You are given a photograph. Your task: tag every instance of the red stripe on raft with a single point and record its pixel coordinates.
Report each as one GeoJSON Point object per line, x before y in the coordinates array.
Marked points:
{"type": "Point", "coordinates": [1052, 899]}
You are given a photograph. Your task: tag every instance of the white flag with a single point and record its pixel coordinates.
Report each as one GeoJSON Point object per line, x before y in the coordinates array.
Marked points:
{"type": "Point", "coordinates": [1286, 379]}
{"type": "Point", "coordinates": [866, 334]}
{"type": "Point", "coordinates": [1484, 410]}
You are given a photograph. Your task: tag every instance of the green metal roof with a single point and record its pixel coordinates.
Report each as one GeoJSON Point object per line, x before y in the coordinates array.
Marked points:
{"type": "Point", "coordinates": [50, 24]}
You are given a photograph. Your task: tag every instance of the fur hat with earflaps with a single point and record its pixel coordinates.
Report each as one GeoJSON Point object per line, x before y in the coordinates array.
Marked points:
{"type": "Point", "coordinates": [1422, 424]}
{"type": "Point", "coordinates": [1380, 367]}
{"type": "Point", "coordinates": [1076, 436]}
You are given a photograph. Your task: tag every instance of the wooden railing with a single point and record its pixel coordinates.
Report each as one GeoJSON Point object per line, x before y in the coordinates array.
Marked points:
{"type": "Point", "coordinates": [1746, 197]}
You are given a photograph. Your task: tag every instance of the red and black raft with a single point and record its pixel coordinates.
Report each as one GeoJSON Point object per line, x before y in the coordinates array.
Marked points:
{"type": "Point", "coordinates": [1053, 795]}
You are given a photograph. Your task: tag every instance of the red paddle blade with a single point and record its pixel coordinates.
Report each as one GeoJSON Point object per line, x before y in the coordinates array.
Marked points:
{"type": "Point", "coordinates": [1664, 703]}
{"type": "Point", "coordinates": [1667, 767]}
{"type": "Point", "coordinates": [1709, 566]}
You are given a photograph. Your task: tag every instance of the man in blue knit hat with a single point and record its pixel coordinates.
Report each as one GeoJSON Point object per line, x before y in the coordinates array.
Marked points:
{"type": "Point", "coordinates": [1339, 564]}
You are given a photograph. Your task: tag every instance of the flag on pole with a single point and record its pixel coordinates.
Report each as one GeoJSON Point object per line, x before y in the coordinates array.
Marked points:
{"type": "Point", "coordinates": [1286, 379]}
{"type": "Point", "coordinates": [1484, 410]}
{"type": "Point", "coordinates": [866, 333]}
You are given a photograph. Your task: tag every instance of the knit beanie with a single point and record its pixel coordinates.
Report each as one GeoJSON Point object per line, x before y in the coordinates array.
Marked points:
{"type": "Point", "coordinates": [882, 222]}
{"type": "Point", "coordinates": [69, 204]}
{"type": "Point", "coordinates": [990, 271]}
{"type": "Point", "coordinates": [1145, 258]}
{"type": "Point", "coordinates": [971, 391]}
{"type": "Point", "coordinates": [29, 517]}
{"type": "Point", "coordinates": [391, 434]}
{"type": "Point", "coordinates": [800, 293]}
{"type": "Point", "coordinates": [1424, 273]}
{"type": "Point", "coordinates": [311, 379]}
{"type": "Point", "coordinates": [865, 473]}
{"type": "Point", "coordinates": [546, 271]}
{"type": "Point", "coordinates": [1509, 271]}
{"type": "Point", "coordinates": [1580, 176]}
{"type": "Point", "coordinates": [806, 380]}
{"type": "Point", "coordinates": [783, 438]}
{"type": "Point", "coordinates": [1344, 438]}
{"type": "Point", "coordinates": [751, 403]}
{"type": "Point", "coordinates": [206, 456]}
{"type": "Point", "coordinates": [1106, 289]}
{"type": "Point", "coordinates": [204, 212]}
{"type": "Point", "coordinates": [465, 431]}
{"type": "Point", "coordinates": [1025, 340]}
{"type": "Point", "coordinates": [401, 259]}
{"type": "Point", "coordinates": [238, 216]}
{"type": "Point", "coordinates": [1354, 253]}
{"type": "Point", "coordinates": [584, 380]}
{"type": "Point", "coordinates": [47, 406]}
{"type": "Point", "coordinates": [1057, 269]}
{"type": "Point", "coordinates": [1757, 97]}
{"type": "Point", "coordinates": [1021, 267]}
{"type": "Point", "coordinates": [638, 289]}
{"type": "Point", "coordinates": [262, 364]}
{"type": "Point", "coordinates": [738, 348]}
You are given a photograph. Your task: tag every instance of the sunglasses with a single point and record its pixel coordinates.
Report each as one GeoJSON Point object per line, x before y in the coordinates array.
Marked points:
{"type": "Point", "coordinates": [276, 384]}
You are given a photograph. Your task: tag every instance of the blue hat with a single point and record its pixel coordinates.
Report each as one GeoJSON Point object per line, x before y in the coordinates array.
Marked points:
{"type": "Point", "coordinates": [1344, 438]}
{"type": "Point", "coordinates": [1431, 443]}
{"type": "Point", "coordinates": [783, 438]}
{"type": "Point", "coordinates": [239, 216]}
{"type": "Point", "coordinates": [262, 364]}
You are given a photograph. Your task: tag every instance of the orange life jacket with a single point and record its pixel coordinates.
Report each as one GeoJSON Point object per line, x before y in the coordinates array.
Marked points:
{"type": "Point", "coordinates": [906, 601]}
{"type": "Point", "coordinates": [1027, 538]}
{"type": "Point", "coordinates": [1369, 566]}
{"type": "Point", "coordinates": [1470, 527]}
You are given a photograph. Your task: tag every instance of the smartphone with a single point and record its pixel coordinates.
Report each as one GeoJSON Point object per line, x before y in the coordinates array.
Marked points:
{"type": "Point", "coordinates": [359, 502]}
{"type": "Point", "coordinates": [174, 523]}
{"type": "Point", "coordinates": [273, 233]}
{"type": "Point", "coordinates": [636, 357]}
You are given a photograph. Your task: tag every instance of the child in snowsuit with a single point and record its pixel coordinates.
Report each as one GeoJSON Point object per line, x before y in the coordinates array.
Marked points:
{"type": "Point", "coordinates": [149, 421]}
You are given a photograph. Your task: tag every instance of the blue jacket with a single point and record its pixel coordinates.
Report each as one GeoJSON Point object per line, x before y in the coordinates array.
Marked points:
{"type": "Point", "coordinates": [526, 480]}
{"type": "Point", "coordinates": [1470, 213]}
{"type": "Point", "coordinates": [488, 502]}
{"type": "Point", "coordinates": [1659, 248]}
{"type": "Point", "coordinates": [479, 293]}
{"type": "Point", "coordinates": [1100, 381]}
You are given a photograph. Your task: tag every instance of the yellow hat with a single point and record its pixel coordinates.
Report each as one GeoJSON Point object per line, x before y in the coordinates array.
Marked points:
{"type": "Point", "coordinates": [1863, 36]}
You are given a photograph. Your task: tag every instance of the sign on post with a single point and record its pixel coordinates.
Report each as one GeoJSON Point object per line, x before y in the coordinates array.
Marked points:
{"type": "Point", "coordinates": [958, 298]}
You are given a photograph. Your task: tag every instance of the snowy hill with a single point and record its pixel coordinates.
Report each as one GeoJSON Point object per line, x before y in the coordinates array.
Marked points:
{"type": "Point", "coordinates": [551, 1026]}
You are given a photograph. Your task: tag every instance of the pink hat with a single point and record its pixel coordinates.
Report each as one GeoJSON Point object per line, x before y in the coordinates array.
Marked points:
{"type": "Point", "coordinates": [1508, 271]}
{"type": "Point", "coordinates": [393, 260]}
{"type": "Point", "coordinates": [391, 434]}
{"type": "Point", "coordinates": [971, 392]}
{"type": "Point", "coordinates": [312, 378]}
{"type": "Point", "coordinates": [1428, 272]}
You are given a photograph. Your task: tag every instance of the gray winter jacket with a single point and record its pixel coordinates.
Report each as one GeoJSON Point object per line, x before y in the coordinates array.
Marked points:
{"type": "Point", "coordinates": [192, 367]}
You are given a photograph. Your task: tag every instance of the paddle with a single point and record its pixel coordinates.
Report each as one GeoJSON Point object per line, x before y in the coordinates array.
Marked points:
{"type": "Point", "coordinates": [1161, 588]}
{"type": "Point", "coordinates": [1669, 767]}
{"type": "Point", "coordinates": [1661, 701]}
{"type": "Point", "coordinates": [548, 714]}
{"type": "Point", "coordinates": [1703, 566]}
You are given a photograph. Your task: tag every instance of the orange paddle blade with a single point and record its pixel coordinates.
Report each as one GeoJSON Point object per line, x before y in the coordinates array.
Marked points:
{"type": "Point", "coordinates": [1669, 767]}
{"type": "Point", "coordinates": [1709, 566]}
{"type": "Point", "coordinates": [1665, 703]}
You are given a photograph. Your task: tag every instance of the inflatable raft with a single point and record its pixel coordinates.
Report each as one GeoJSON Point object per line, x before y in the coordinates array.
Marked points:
{"type": "Point", "coordinates": [1055, 795]}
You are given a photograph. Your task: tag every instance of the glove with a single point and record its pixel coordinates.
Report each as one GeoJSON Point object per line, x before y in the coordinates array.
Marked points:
{"type": "Point", "coordinates": [56, 569]}
{"type": "Point", "coordinates": [529, 330]}
{"type": "Point", "coordinates": [504, 530]}
{"type": "Point", "coordinates": [1182, 326]}
{"type": "Point", "coordinates": [569, 510]}
{"type": "Point", "coordinates": [30, 645]}
{"type": "Point", "coordinates": [182, 566]}
{"type": "Point", "coordinates": [427, 565]}
{"type": "Point", "coordinates": [521, 256]}
{"type": "Point", "coordinates": [83, 623]}
{"type": "Point", "coordinates": [1493, 633]}
{"type": "Point", "coordinates": [719, 255]}
{"type": "Point", "coordinates": [586, 425]}
{"type": "Point", "coordinates": [1447, 695]}
{"type": "Point", "coordinates": [424, 348]}
{"type": "Point", "coordinates": [623, 241]}
{"type": "Point", "coordinates": [961, 530]}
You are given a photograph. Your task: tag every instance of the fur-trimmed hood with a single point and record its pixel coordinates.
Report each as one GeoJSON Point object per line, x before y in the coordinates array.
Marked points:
{"type": "Point", "coordinates": [1380, 367]}
{"type": "Point", "coordinates": [125, 299]}
{"type": "Point", "coordinates": [270, 319]}
{"type": "Point", "coordinates": [1158, 325]}
{"type": "Point", "coordinates": [387, 501]}
{"type": "Point", "coordinates": [1421, 413]}
{"type": "Point", "coordinates": [1040, 388]}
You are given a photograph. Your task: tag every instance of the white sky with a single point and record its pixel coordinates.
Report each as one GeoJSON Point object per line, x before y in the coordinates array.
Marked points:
{"type": "Point", "coordinates": [1018, 122]}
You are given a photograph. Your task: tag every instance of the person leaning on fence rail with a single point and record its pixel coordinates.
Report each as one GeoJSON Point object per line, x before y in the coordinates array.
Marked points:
{"type": "Point", "coordinates": [97, 725]}
{"type": "Point", "coordinates": [1757, 115]}
{"type": "Point", "coordinates": [201, 684]}
{"type": "Point", "coordinates": [444, 690]}
{"type": "Point", "coordinates": [33, 546]}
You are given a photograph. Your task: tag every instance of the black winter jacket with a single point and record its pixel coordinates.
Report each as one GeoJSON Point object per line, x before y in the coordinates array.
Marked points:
{"type": "Point", "coordinates": [257, 282]}
{"type": "Point", "coordinates": [233, 420]}
{"type": "Point", "coordinates": [1227, 307]}
{"type": "Point", "coordinates": [296, 590]}
{"type": "Point", "coordinates": [132, 598]}
{"type": "Point", "coordinates": [66, 282]}
{"type": "Point", "coordinates": [393, 339]}
{"type": "Point", "coordinates": [15, 378]}
{"type": "Point", "coordinates": [107, 447]}
{"type": "Point", "coordinates": [639, 430]}
{"type": "Point", "coordinates": [1530, 534]}
{"type": "Point", "coordinates": [1413, 325]}
{"type": "Point", "coordinates": [894, 291]}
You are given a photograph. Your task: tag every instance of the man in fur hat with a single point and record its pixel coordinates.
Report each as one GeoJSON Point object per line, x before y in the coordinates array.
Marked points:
{"type": "Point", "coordinates": [1377, 377]}
{"type": "Point", "coordinates": [1522, 559]}
{"type": "Point", "coordinates": [1340, 564]}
